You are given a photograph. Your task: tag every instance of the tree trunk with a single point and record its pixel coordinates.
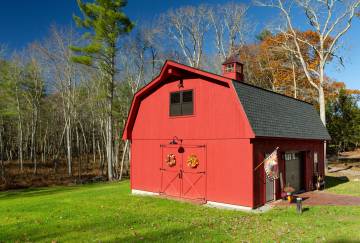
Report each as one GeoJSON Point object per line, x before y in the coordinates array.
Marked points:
{"type": "Point", "coordinates": [45, 143]}
{"type": "Point", "coordinates": [294, 77]}
{"type": "Point", "coordinates": [20, 145]}
{"type": "Point", "coordinates": [116, 158]}
{"type": "Point", "coordinates": [322, 109]}
{"type": "Point", "coordinates": [78, 152]}
{"type": "Point", "coordinates": [109, 131]}
{"type": "Point", "coordinates": [123, 159]}
{"type": "Point", "coordinates": [93, 142]}
{"type": "Point", "coordinates": [68, 145]}
{"type": "Point", "coordinates": [322, 104]}
{"type": "Point", "coordinates": [109, 144]}
{"type": "Point", "coordinates": [2, 154]}
{"type": "Point", "coordinates": [33, 138]}
{"type": "Point", "coordinates": [101, 162]}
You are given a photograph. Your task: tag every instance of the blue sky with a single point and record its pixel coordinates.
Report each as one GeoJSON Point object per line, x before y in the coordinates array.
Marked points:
{"type": "Point", "coordinates": [24, 21]}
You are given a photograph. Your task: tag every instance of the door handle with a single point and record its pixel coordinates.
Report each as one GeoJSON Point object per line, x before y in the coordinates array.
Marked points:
{"type": "Point", "coordinates": [180, 174]}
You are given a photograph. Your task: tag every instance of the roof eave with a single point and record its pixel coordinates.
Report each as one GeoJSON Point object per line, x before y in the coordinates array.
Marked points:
{"type": "Point", "coordinates": [292, 138]}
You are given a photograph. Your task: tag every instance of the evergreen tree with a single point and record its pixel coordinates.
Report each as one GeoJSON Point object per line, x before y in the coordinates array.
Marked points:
{"type": "Point", "coordinates": [105, 22]}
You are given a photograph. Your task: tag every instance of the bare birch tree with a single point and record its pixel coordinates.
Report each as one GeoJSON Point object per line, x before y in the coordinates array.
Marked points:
{"type": "Point", "coordinates": [133, 61]}
{"type": "Point", "coordinates": [188, 26]}
{"type": "Point", "coordinates": [57, 55]}
{"type": "Point", "coordinates": [16, 77]}
{"type": "Point", "coordinates": [330, 19]}
{"type": "Point", "coordinates": [34, 87]}
{"type": "Point", "coordinates": [230, 27]}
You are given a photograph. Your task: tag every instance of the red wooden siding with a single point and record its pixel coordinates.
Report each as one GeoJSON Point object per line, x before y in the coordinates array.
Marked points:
{"type": "Point", "coordinates": [218, 132]}
{"type": "Point", "coordinates": [217, 114]}
{"type": "Point", "coordinates": [218, 123]}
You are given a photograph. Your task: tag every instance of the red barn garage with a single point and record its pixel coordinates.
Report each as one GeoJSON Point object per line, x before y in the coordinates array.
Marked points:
{"type": "Point", "coordinates": [200, 136]}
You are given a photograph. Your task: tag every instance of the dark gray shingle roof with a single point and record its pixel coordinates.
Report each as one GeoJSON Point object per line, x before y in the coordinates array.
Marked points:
{"type": "Point", "coordinates": [275, 115]}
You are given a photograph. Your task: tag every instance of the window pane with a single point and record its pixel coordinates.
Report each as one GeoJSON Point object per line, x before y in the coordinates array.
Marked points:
{"type": "Point", "coordinates": [187, 96]}
{"type": "Point", "coordinates": [181, 103]}
{"type": "Point", "coordinates": [229, 68]}
{"type": "Point", "coordinates": [187, 108]}
{"type": "Point", "coordinates": [175, 98]}
{"type": "Point", "coordinates": [175, 109]}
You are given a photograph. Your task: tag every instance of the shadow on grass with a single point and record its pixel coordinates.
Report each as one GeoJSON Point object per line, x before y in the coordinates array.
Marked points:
{"type": "Point", "coordinates": [332, 181]}
{"type": "Point", "coordinates": [305, 209]}
{"type": "Point", "coordinates": [52, 190]}
{"type": "Point", "coordinates": [34, 192]}
{"type": "Point", "coordinates": [158, 235]}
{"type": "Point", "coordinates": [173, 234]}
{"type": "Point", "coordinates": [134, 229]}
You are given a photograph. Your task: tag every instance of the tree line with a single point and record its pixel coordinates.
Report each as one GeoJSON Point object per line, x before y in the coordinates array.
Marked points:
{"type": "Point", "coordinates": [64, 100]}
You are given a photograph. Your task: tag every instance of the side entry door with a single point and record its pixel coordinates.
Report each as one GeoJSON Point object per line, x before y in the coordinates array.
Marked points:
{"type": "Point", "coordinates": [269, 189]}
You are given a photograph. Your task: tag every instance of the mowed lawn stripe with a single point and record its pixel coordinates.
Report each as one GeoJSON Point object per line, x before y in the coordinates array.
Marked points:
{"type": "Point", "coordinates": [108, 212]}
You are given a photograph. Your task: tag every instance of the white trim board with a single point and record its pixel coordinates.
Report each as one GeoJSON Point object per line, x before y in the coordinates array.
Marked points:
{"type": "Point", "coordinates": [261, 209]}
{"type": "Point", "coordinates": [143, 193]}
{"type": "Point", "coordinates": [228, 206]}
{"type": "Point", "coordinates": [212, 204]}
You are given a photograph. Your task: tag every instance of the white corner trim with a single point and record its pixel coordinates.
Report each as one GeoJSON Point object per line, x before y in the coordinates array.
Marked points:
{"type": "Point", "coordinates": [228, 206]}
{"type": "Point", "coordinates": [143, 193]}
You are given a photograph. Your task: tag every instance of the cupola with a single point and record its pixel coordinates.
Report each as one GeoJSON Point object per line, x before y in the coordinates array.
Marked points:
{"type": "Point", "coordinates": [233, 68]}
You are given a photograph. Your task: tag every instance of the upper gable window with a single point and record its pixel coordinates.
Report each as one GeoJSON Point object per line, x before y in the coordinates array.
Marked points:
{"type": "Point", "coordinates": [181, 103]}
{"type": "Point", "coordinates": [229, 68]}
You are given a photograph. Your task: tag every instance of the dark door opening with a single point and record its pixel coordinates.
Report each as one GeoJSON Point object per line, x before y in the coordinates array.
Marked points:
{"type": "Point", "coordinates": [294, 170]}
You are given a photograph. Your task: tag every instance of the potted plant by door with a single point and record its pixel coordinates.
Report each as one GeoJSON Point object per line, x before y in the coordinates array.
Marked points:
{"type": "Point", "coordinates": [320, 184]}
{"type": "Point", "coordinates": [289, 192]}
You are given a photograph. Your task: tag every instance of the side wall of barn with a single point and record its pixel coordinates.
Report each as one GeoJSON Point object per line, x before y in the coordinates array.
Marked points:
{"type": "Point", "coordinates": [218, 122]}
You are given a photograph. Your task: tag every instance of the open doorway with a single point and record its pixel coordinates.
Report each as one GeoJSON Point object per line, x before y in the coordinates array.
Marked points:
{"type": "Point", "coordinates": [294, 170]}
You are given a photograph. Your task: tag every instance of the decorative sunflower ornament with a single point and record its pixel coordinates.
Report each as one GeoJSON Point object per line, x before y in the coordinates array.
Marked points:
{"type": "Point", "coordinates": [171, 160]}
{"type": "Point", "coordinates": [192, 161]}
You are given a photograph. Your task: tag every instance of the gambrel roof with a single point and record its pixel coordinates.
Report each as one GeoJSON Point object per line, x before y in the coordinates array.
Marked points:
{"type": "Point", "coordinates": [270, 114]}
{"type": "Point", "coordinates": [274, 115]}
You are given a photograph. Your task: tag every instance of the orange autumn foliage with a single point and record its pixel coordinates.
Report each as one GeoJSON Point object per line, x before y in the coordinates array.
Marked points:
{"type": "Point", "coordinates": [332, 89]}
{"type": "Point", "coordinates": [271, 65]}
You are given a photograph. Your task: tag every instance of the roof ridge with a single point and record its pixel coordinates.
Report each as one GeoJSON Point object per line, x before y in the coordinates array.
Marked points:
{"type": "Point", "coordinates": [242, 82]}
{"type": "Point", "coordinates": [273, 92]}
{"type": "Point", "coordinates": [199, 69]}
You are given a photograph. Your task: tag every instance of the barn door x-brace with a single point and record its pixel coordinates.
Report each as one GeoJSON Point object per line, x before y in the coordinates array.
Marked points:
{"type": "Point", "coordinates": [183, 171]}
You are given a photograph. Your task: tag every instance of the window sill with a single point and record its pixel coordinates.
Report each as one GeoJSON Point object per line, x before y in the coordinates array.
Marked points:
{"type": "Point", "coordinates": [184, 116]}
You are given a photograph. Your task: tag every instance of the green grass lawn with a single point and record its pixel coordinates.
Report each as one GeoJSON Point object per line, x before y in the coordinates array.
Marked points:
{"type": "Point", "coordinates": [108, 213]}
{"type": "Point", "coordinates": [342, 186]}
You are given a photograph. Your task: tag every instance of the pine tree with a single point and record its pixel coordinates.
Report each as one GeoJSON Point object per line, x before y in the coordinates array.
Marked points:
{"type": "Point", "coordinates": [104, 22]}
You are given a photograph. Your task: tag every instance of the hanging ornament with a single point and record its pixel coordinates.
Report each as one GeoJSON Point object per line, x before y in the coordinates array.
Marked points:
{"type": "Point", "coordinates": [171, 160]}
{"type": "Point", "coordinates": [193, 161]}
